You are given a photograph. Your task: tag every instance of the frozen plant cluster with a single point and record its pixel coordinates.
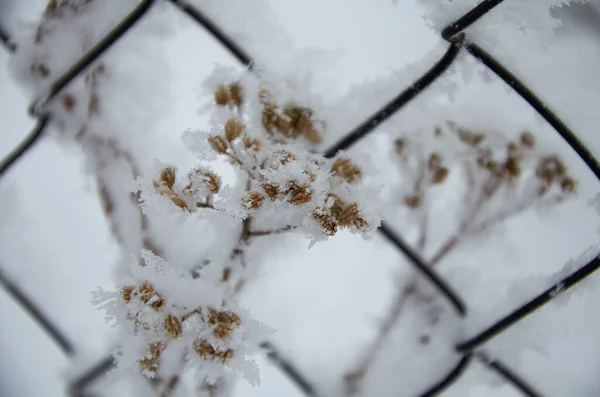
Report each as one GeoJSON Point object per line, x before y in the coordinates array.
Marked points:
{"type": "Point", "coordinates": [172, 317]}
{"type": "Point", "coordinates": [279, 186]}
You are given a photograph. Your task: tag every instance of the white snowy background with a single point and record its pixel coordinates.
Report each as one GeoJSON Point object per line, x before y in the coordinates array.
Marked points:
{"type": "Point", "coordinates": [327, 301]}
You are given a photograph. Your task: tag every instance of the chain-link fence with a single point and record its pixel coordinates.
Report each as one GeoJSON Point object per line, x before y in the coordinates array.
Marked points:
{"type": "Point", "coordinates": [470, 349]}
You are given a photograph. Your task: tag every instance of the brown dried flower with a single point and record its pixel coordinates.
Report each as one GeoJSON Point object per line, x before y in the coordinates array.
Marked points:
{"type": "Point", "coordinates": [513, 167]}
{"type": "Point", "coordinates": [223, 322]}
{"type": "Point", "coordinates": [210, 180]}
{"type": "Point", "coordinates": [167, 177]}
{"type": "Point", "coordinates": [149, 296]}
{"type": "Point", "coordinates": [413, 200]}
{"type": "Point", "coordinates": [151, 361]}
{"type": "Point", "coordinates": [252, 200]}
{"type": "Point", "coordinates": [469, 137]}
{"type": "Point", "coordinates": [236, 94]}
{"type": "Point", "coordinates": [206, 350]}
{"type": "Point", "coordinates": [298, 193]}
{"type": "Point", "coordinates": [68, 101]}
{"type": "Point", "coordinates": [568, 185]}
{"type": "Point", "coordinates": [440, 175]}
{"type": "Point", "coordinates": [344, 168]}
{"type": "Point", "coordinates": [221, 95]}
{"type": "Point", "coordinates": [527, 139]}
{"type": "Point", "coordinates": [253, 144]}
{"type": "Point", "coordinates": [399, 145]}
{"type": "Point", "coordinates": [270, 189]}
{"type": "Point", "coordinates": [328, 224]}
{"type": "Point", "coordinates": [233, 129]}
{"type": "Point", "coordinates": [126, 293]}
{"type": "Point", "coordinates": [173, 326]}
{"type": "Point", "coordinates": [218, 144]}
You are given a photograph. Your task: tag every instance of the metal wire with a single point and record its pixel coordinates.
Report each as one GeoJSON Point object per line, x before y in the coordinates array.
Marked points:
{"type": "Point", "coordinates": [454, 34]}
{"type": "Point", "coordinates": [36, 314]}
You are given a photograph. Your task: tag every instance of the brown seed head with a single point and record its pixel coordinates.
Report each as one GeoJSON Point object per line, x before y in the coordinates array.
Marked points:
{"type": "Point", "coordinates": [435, 161]}
{"type": "Point", "coordinates": [167, 177]}
{"type": "Point", "coordinates": [298, 193]}
{"type": "Point", "coordinates": [348, 215]}
{"type": "Point", "coordinates": [568, 185]}
{"type": "Point", "coordinates": [236, 94]}
{"type": "Point", "coordinates": [173, 326]}
{"type": "Point", "coordinates": [513, 167]}
{"type": "Point", "coordinates": [210, 180]}
{"type": "Point", "coordinates": [527, 139]}
{"type": "Point", "coordinates": [327, 223]}
{"type": "Point", "coordinates": [68, 102]}
{"type": "Point", "coordinates": [272, 190]}
{"type": "Point", "coordinates": [233, 129]}
{"type": "Point", "coordinates": [440, 175]}
{"type": "Point", "coordinates": [223, 321]}
{"type": "Point", "coordinates": [399, 145]}
{"type": "Point", "coordinates": [344, 168]}
{"type": "Point", "coordinates": [469, 137]}
{"type": "Point", "coordinates": [252, 200]}
{"type": "Point", "coordinates": [222, 96]}
{"type": "Point", "coordinates": [126, 293]}
{"type": "Point", "coordinates": [413, 200]}
{"type": "Point", "coordinates": [206, 350]}
{"type": "Point", "coordinates": [512, 148]}
{"type": "Point", "coordinates": [253, 144]}
{"type": "Point", "coordinates": [149, 296]}
{"type": "Point", "coordinates": [218, 144]}
{"type": "Point", "coordinates": [437, 131]}
{"type": "Point", "coordinates": [151, 360]}
{"type": "Point", "coordinates": [286, 157]}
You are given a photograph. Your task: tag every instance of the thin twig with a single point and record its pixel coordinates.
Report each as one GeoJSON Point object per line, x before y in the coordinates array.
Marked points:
{"type": "Point", "coordinates": [259, 233]}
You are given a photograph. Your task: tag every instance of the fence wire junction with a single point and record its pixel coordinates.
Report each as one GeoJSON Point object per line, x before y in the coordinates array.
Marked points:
{"type": "Point", "coordinates": [454, 34]}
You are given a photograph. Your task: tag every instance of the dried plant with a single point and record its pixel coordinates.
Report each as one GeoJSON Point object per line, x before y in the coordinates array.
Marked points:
{"type": "Point", "coordinates": [503, 179]}
{"type": "Point", "coordinates": [277, 178]}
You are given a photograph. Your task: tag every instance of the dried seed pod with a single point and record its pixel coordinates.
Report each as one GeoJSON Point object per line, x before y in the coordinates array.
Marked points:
{"type": "Point", "coordinates": [236, 94]}
{"type": "Point", "coordinates": [218, 144]}
{"type": "Point", "coordinates": [221, 96]}
{"type": "Point", "coordinates": [434, 162]}
{"type": "Point", "coordinates": [40, 69]}
{"type": "Point", "coordinates": [149, 296]}
{"type": "Point", "coordinates": [440, 175]}
{"type": "Point", "coordinates": [167, 177]}
{"type": "Point", "coordinates": [208, 179]}
{"type": "Point", "coordinates": [298, 193]}
{"type": "Point", "coordinates": [152, 359]}
{"type": "Point", "coordinates": [527, 139]}
{"type": "Point", "coordinates": [348, 215]}
{"type": "Point", "coordinates": [413, 200]}
{"type": "Point", "coordinates": [469, 137]}
{"type": "Point", "coordinates": [344, 168]}
{"type": "Point", "coordinates": [253, 144]}
{"type": "Point", "coordinates": [233, 129]}
{"type": "Point", "coordinates": [173, 326]}
{"type": "Point", "coordinates": [68, 102]}
{"type": "Point", "coordinates": [327, 223]}
{"type": "Point", "coordinates": [224, 322]}
{"type": "Point", "coordinates": [252, 200]}
{"type": "Point", "coordinates": [437, 131]}
{"type": "Point", "coordinates": [513, 167]}
{"type": "Point", "coordinates": [126, 293]}
{"type": "Point", "coordinates": [512, 148]}
{"type": "Point", "coordinates": [271, 190]}
{"type": "Point", "coordinates": [399, 145]}
{"type": "Point", "coordinates": [286, 157]}
{"type": "Point", "coordinates": [568, 185]}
